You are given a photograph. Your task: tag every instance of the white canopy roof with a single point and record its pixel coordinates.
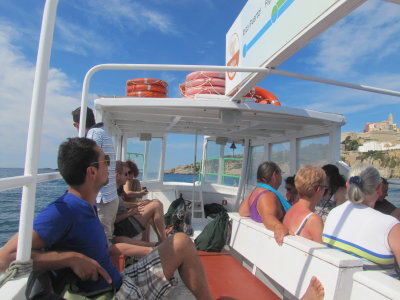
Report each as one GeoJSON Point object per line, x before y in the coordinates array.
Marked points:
{"type": "Point", "coordinates": [211, 115]}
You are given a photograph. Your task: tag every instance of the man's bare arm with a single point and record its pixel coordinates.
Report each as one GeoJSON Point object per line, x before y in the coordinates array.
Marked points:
{"type": "Point", "coordinates": [84, 267]}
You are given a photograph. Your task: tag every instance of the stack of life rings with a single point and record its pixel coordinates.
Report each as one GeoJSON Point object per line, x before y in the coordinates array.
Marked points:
{"type": "Point", "coordinates": [262, 96]}
{"type": "Point", "coordinates": [203, 82]}
{"type": "Point", "coordinates": [146, 87]}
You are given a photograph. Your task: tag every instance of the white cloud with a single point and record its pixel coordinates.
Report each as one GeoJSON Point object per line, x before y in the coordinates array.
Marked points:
{"type": "Point", "coordinates": [347, 101]}
{"type": "Point", "coordinates": [370, 33]}
{"type": "Point", "coordinates": [76, 39]}
{"type": "Point", "coordinates": [130, 15]}
{"type": "Point", "coordinates": [16, 82]}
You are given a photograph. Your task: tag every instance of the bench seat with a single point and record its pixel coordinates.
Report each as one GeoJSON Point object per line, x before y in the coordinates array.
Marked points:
{"type": "Point", "coordinates": [227, 278]}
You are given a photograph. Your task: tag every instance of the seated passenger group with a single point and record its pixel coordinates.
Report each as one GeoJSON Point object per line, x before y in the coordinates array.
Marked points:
{"type": "Point", "coordinates": [68, 235]}
{"type": "Point", "coordinates": [353, 226]}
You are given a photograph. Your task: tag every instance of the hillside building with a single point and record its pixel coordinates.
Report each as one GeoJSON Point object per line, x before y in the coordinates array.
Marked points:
{"type": "Point", "coordinates": [377, 146]}
{"type": "Point", "coordinates": [388, 125]}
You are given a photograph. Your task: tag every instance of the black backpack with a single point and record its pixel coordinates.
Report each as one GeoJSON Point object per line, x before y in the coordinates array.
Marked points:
{"type": "Point", "coordinates": [215, 235]}
{"type": "Point", "coordinates": [213, 209]}
{"type": "Point", "coordinates": [179, 216]}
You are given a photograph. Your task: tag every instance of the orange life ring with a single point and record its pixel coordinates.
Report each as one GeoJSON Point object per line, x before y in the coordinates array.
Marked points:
{"type": "Point", "coordinates": [263, 96]}
{"type": "Point", "coordinates": [206, 82]}
{"type": "Point", "coordinates": [182, 88]}
{"type": "Point", "coordinates": [146, 87]}
{"type": "Point", "coordinates": [147, 94]}
{"type": "Point", "coordinates": [205, 74]}
{"type": "Point", "coordinates": [146, 81]}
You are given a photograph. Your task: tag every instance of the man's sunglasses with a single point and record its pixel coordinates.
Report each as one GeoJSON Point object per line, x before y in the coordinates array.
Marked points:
{"type": "Point", "coordinates": [106, 160]}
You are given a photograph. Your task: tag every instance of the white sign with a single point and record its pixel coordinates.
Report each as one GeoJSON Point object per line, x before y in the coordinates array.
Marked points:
{"type": "Point", "coordinates": [267, 32]}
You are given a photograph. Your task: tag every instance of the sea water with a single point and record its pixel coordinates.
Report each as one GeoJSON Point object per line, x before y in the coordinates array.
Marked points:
{"type": "Point", "coordinates": [46, 192]}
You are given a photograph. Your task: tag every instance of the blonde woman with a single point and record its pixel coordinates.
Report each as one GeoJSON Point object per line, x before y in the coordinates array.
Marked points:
{"type": "Point", "coordinates": [311, 185]}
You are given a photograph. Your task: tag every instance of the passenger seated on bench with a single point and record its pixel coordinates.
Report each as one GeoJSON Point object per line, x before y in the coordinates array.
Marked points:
{"type": "Point", "coordinates": [301, 220]}
{"type": "Point", "coordinates": [132, 187]}
{"type": "Point", "coordinates": [356, 227]}
{"type": "Point", "coordinates": [291, 192]}
{"type": "Point", "coordinates": [68, 234]}
{"type": "Point", "coordinates": [132, 222]}
{"type": "Point", "coordinates": [336, 192]}
{"type": "Point", "coordinates": [383, 205]}
{"type": "Point", "coordinates": [265, 204]}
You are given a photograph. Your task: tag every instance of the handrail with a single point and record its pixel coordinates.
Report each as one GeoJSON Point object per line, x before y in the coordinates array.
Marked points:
{"type": "Point", "coordinates": [35, 131]}
{"type": "Point", "coordinates": [164, 67]}
{"type": "Point", "coordinates": [10, 183]}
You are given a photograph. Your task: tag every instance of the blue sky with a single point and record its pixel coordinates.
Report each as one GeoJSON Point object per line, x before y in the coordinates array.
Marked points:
{"type": "Point", "coordinates": [361, 48]}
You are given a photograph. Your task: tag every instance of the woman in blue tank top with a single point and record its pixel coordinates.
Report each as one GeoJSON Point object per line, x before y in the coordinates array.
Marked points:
{"type": "Point", "coordinates": [265, 204]}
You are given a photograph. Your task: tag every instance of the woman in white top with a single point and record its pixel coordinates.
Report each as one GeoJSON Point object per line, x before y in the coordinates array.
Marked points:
{"type": "Point", "coordinates": [356, 227]}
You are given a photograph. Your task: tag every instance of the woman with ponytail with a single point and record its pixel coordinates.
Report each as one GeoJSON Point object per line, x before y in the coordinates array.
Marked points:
{"type": "Point", "coordinates": [356, 227]}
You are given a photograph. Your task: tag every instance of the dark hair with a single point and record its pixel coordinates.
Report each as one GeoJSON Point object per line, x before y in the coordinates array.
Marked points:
{"type": "Point", "coordinates": [75, 155]}
{"type": "Point", "coordinates": [290, 180]}
{"type": "Point", "coordinates": [133, 168]}
{"type": "Point", "coordinates": [119, 166]}
{"type": "Point", "coordinates": [89, 116]}
{"type": "Point", "coordinates": [384, 181]}
{"type": "Point", "coordinates": [335, 180]}
{"type": "Point", "coordinates": [266, 170]}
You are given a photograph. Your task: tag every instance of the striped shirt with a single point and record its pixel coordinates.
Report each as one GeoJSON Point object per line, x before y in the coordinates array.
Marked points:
{"type": "Point", "coordinates": [109, 192]}
{"type": "Point", "coordinates": [361, 230]}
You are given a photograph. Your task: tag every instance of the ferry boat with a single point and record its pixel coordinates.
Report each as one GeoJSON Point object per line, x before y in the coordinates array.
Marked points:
{"type": "Point", "coordinates": [232, 127]}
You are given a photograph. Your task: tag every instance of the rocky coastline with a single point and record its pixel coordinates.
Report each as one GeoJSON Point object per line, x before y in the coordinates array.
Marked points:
{"type": "Point", "coordinates": [387, 162]}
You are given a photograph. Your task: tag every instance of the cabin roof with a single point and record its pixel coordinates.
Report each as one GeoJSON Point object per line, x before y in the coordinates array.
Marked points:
{"type": "Point", "coordinates": [211, 115]}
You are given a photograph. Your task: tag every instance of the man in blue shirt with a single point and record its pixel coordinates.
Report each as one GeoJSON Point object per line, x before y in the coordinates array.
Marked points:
{"type": "Point", "coordinates": [68, 234]}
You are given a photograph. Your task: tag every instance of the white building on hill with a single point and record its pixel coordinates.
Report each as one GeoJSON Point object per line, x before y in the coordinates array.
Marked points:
{"type": "Point", "coordinates": [377, 146]}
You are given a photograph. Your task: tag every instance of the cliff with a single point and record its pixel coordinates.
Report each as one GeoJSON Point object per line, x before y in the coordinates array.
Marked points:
{"type": "Point", "coordinates": [183, 169]}
{"type": "Point", "coordinates": [387, 162]}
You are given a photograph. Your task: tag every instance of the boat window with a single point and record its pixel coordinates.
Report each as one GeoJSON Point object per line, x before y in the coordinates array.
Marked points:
{"type": "Point", "coordinates": [232, 166]}
{"type": "Point", "coordinates": [256, 158]}
{"type": "Point", "coordinates": [280, 154]}
{"type": "Point", "coordinates": [313, 151]}
{"type": "Point", "coordinates": [147, 156]}
{"type": "Point", "coordinates": [223, 163]}
{"type": "Point", "coordinates": [212, 163]}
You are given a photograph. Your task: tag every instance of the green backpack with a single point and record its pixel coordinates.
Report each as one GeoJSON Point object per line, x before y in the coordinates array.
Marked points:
{"type": "Point", "coordinates": [215, 235]}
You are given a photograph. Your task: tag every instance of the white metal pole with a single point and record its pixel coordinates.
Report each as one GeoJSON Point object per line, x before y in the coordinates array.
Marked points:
{"type": "Point", "coordinates": [35, 130]}
{"type": "Point", "coordinates": [293, 156]}
{"type": "Point", "coordinates": [243, 172]}
{"type": "Point", "coordinates": [162, 159]}
{"type": "Point", "coordinates": [124, 148]}
{"type": "Point", "coordinates": [221, 161]}
{"type": "Point", "coordinates": [264, 71]}
{"type": "Point", "coordinates": [145, 160]}
{"type": "Point", "coordinates": [360, 87]}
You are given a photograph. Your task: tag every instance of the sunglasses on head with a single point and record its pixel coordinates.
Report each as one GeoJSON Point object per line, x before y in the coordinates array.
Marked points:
{"type": "Point", "coordinates": [106, 160]}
